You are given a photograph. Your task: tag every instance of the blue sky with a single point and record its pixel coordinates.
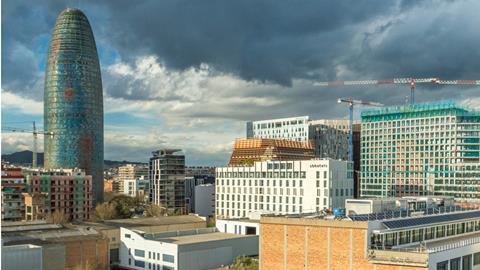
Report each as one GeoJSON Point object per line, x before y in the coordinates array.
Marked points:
{"type": "Point", "coordinates": [189, 74]}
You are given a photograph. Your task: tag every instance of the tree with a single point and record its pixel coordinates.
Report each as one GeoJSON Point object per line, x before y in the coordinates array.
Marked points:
{"type": "Point", "coordinates": [211, 222]}
{"type": "Point", "coordinates": [58, 217]}
{"type": "Point", "coordinates": [124, 206]}
{"type": "Point", "coordinates": [105, 211]}
{"type": "Point", "coordinates": [245, 263]}
{"type": "Point", "coordinates": [155, 210]}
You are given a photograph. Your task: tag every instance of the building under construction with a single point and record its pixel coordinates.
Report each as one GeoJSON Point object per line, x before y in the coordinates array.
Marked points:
{"type": "Point", "coordinates": [247, 151]}
{"type": "Point", "coordinates": [421, 149]}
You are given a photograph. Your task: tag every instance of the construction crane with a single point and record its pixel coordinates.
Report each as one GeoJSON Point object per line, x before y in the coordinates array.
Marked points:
{"type": "Point", "coordinates": [35, 133]}
{"type": "Point", "coordinates": [410, 81]}
{"type": "Point", "coordinates": [351, 103]}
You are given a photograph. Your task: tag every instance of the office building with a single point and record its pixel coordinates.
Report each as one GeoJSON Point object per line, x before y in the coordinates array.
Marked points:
{"type": "Point", "coordinates": [167, 180]}
{"type": "Point", "coordinates": [111, 229]}
{"type": "Point", "coordinates": [329, 138]}
{"type": "Point", "coordinates": [421, 149]}
{"type": "Point", "coordinates": [435, 242]}
{"type": "Point", "coordinates": [60, 247]}
{"type": "Point", "coordinates": [247, 151]}
{"type": "Point", "coordinates": [13, 185]}
{"type": "Point", "coordinates": [402, 206]}
{"type": "Point", "coordinates": [183, 250]}
{"type": "Point", "coordinates": [191, 182]}
{"type": "Point", "coordinates": [205, 200]}
{"type": "Point", "coordinates": [68, 191]}
{"type": "Point", "coordinates": [283, 187]}
{"type": "Point", "coordinates": [73, 108]}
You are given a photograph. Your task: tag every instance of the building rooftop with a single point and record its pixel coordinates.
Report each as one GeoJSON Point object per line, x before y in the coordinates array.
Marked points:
{"type": "Point", "coordinates": [143, 222]}
{"type": "Point", "coordinates": [431, 219]}
{"type": "Point", "coordinates": [185, 237]}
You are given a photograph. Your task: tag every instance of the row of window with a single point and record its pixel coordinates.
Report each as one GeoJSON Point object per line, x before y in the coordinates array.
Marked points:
{"type": "Point", "coordinates": [261, 174]}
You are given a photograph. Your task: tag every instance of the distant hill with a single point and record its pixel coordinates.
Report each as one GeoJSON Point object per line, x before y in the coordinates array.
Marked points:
{"type": "Point", "coordinates": [25, 158]}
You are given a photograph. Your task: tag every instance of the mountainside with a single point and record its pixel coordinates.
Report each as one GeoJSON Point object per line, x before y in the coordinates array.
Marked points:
{"type": "Point", "coordinates": [25, 158]}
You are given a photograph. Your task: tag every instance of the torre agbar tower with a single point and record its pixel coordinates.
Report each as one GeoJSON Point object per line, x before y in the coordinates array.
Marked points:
{"type": "Point", "coordinates": [73, 108]}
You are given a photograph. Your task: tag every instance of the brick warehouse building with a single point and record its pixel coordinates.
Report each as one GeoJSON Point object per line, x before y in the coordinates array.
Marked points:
{"type": "Point", "coordinates": [442, 241]}
{"type": "Point", "coordinates": [68, 191]}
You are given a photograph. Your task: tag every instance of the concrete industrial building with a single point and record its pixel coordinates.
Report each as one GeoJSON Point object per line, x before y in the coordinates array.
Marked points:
{"type": "Point", "coordinates": [247, 151]}
{"type": "Point", "coordinates": [73, 107]}
{"type": "Point", "coordinates": [69, 191]}
{"type": "Point", "coordinates": [22, 257]}
{"type": "Point", "coordinates": [167, 180]}
{"type": "Point", "coordinates": [441, 241]}
{"type": "Point", "coordinates": [61, 247]}
{"type": "Point", "coordinates": [421, 149]}
{"type": "Point", "coordinates": [205, 200]}
{"type": "Point", "coordinates": [111, 229]}
{"type": "Point", "coordinates": [13, 185]}
{"type": "Point", "coordinates": [183, 250]}
{"type": "Point", "coordinates": [283, 187]}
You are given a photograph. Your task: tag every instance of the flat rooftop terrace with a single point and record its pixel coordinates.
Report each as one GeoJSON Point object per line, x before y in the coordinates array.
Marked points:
{"type": "Point", "coordinates": [185, 237]}
{"type": "Point", "coordinates": [143, 222]}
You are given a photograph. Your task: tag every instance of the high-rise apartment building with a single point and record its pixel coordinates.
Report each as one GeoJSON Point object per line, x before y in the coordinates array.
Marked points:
{"type": "Point", "coordinates": [421, 149]}
{"type": "Point", "coordinates": [73, 108]}
{"type": "Point", "coordinates": [167, 180]}
{"type": "Point", "coordinates": [283, 187]}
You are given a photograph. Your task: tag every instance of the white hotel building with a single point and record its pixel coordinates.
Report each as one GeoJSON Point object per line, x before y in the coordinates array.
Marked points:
{"type": "Point", "coordinates": [283, 187]}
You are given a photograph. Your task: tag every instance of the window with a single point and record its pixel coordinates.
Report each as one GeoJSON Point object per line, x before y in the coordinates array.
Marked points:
{"type": "Point", "coordinates": [455, 264]}
{"type": "Point", "coordinates": [139, 263]}
{"type": "Point", "coordinates": [168, 258]}
{"type": "Point", "coordinates": [139, 253]}
{"type": "Point", "coordinates": [127, 235]}
{"type": "Point", "coordinates": [476, 258]}
{"type": "Point", "coordinates": [467, 262]}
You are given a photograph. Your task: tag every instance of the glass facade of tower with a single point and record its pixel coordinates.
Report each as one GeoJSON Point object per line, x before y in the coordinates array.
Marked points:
{"type": "Point", "coordinates": [73, 108]}
{"type": "Point", "coordinates": [421, 149]}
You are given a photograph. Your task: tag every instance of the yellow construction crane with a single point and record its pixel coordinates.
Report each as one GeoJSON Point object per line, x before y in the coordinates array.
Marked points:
{"type": "Point", "coordinates": [35, 133]}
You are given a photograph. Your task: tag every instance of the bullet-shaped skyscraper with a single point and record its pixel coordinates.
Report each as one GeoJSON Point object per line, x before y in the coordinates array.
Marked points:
{"type": "Point", "coordinates": [73, 108]}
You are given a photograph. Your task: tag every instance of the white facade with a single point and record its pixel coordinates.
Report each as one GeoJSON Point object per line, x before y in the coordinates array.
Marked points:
{"type": "Point", "coordinates": [293, 128]}
{"type": "Point", "coordinates": [283, 187]}
{"type": "Point", "coordinates": [22, 257]}
{"type": "Point", "coordinates": [183, 250]}
{"type": "Point", "coordinates": [205, 200]}
{"type": "Point", "coordinates": [134, 187]}
{"type": "Point", "coordinates": [238, 226]}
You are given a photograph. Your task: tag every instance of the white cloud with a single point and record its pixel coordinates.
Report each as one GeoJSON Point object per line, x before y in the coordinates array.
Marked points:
{"type": "Point", "coordinates": [22, 104]}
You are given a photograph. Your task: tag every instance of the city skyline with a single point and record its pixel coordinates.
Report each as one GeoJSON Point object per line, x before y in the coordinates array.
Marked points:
{"type": "Point", "coordinates": [192, 83]}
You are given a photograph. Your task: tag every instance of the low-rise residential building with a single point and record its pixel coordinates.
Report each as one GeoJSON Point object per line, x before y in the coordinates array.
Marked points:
{"type": "Point", "coordinates": [68, 191]}
{"type": "Point", "coordinates": [205, 200]}
{"type": "Point", "coordinates": [35, 206]}
{"type": "Point", "coordinates": [283, 187]}
{"type": "Point", "coordinates": [440, 241]}
{"type": "Point", "coordinates": [13, 185]}
{"type": "Point", "coordinates": [183, 250]}
{"type": "Point", "coordinates": [111, 228]}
